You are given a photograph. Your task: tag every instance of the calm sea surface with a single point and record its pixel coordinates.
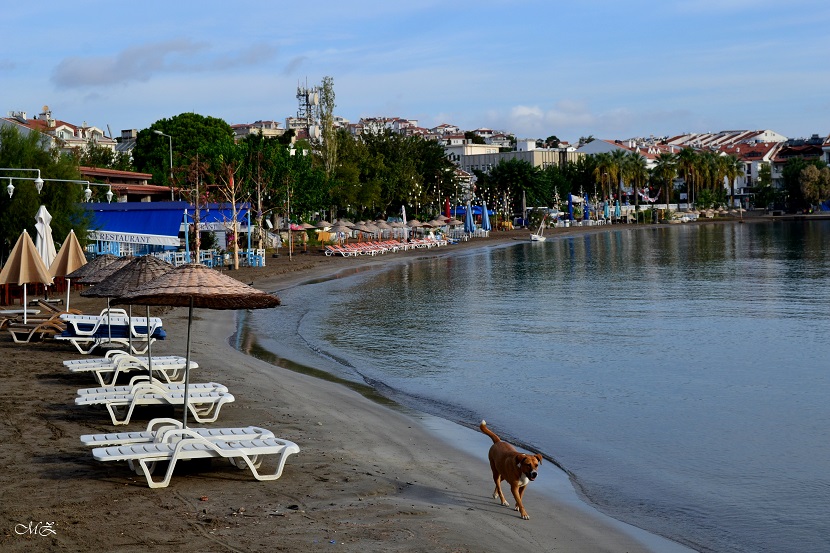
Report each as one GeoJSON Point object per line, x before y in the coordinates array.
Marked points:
{"type": "Point", "coordinates": [681, 375]}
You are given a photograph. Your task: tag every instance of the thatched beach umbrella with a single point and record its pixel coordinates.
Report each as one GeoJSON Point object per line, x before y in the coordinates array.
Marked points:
{"type": "Point", "coordinates": [24, 266]}
{"type": "Point", "coordinates": [129, 277]}
{"type": "Point", "coordinates": [195, 285]}
{"type": "Point", "coordinates": [70, 258]}
{"type": "Point", "coordinates": [92, 266]}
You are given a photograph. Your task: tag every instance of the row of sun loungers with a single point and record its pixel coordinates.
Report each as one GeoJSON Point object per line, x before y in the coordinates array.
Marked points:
{"type": "Point", "coordinates": [165, 440]}
{"type": "Point", "coordinates": [377, 248]}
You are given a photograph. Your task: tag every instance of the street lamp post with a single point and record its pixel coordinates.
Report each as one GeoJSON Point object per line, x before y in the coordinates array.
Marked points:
{"type": "Point", "coordinates": [37, 180]}
{"type": "Point", "coordinates": [170, 140]}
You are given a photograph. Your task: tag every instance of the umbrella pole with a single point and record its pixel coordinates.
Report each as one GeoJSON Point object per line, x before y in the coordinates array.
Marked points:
{"type": "Point", "coordinates": [109, 321]}
{"type": "Point", "coordinates": [130, 349]}
{"type": "Point", "coordinates": [149, 343]}
{"type": "Point", "coordinates": [68, 287]}
{"type": "Point", "coordinates": [187, 364]}
{"type": "Point", "coordinates": [25, 301]}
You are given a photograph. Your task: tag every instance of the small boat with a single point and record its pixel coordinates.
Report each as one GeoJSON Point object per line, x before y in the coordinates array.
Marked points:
{"type": "Point", "coordinates": [539, 235]}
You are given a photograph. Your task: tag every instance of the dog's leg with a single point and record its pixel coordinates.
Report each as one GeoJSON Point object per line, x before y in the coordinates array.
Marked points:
{"type": "Point", "coordinates": [497, 493]}
{"type": "Point", "coordinates": [517, 495]}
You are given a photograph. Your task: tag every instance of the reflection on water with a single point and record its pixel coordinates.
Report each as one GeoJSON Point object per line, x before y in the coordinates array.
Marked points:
{"type": "Point", "coordinates": [679, 373]}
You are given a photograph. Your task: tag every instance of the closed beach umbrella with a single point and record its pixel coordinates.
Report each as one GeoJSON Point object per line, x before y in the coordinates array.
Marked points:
{"type": "Point", "coordinates": [606, 210]}
{"type": "Point", "coordinates": [43, 241]}
{"type": "Point", "coordinates": [447, 208]}
{"type": "Point", "coordinates": [485, 218]}
{"type": "Point", "coordinates": [24, 266]}
{"type": "Point", "coordinates": [69, 259]}
{"type": "Point", "coordinates": [469, 226]}
{"type": "Point", "coordinates": [617, 212]}
{"type": "Point", "coordinates": [195, 285]}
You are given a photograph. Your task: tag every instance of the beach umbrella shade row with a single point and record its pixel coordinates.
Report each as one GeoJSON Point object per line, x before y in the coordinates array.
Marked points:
{"type": "Point", "coordinates": [138, 271]}
{"type": "Point", "coordinates": [69, 259]}
{"type": "Point", "coordinates": [91, 267]}
{"type": "Point", "coordinates": [196, 286]}
{"type": "Point", "coordinates": [24, 266]}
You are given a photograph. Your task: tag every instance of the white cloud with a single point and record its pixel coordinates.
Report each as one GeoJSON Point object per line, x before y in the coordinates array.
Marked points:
{"type": "Point", "coordinates": [141, 63]}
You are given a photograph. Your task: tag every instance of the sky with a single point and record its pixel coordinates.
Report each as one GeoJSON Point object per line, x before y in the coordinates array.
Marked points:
{"type": "Point", "coordinates": [601, 68]}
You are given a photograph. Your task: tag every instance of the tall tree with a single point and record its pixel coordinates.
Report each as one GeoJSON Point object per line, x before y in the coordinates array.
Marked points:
{"type": "Point", "coordinates": [62, 199]}
{"type": "Point", "coordinates": [636, 170]}
{"type": "Point", "coordinates": [328, 144]}
{"type": "Point", "coordinates": [665, 170]}
{"type": "Point", "coordinates": [734, 170]}
{"type": "Point", "coordinates": [615, 169]}
{"type": "Point", "coordinates": [191, 133]}
{"type": "Point", "coordinates": [687, 165]}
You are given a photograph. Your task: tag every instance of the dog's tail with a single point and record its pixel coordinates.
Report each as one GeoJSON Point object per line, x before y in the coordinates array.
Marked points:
{"type": "Point", "coordinates": [483, 427]}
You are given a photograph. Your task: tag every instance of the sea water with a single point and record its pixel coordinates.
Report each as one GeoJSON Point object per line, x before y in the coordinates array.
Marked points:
{"type": "Point", "coordinates": [679, 374]}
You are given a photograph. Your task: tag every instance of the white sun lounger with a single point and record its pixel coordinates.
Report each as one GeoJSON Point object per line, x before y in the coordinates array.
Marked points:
{"type": "Point", "coordinates": [87, 325]}
{"type": "Point", "coordinates": [168, 368]}
{"type": "Point", "coordinates": [184, 445]}
{"type": "Point", "coordinates": [85, 344]}
{"type": "Point", "coordinates": [204, 405]}
{"type": "Point", "coordinates": [141, 384]}
{"type": "Point", "coordinates": [157, 428]}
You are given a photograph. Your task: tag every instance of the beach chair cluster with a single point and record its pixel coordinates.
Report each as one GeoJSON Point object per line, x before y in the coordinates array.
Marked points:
{"type": "Point", "coordinates": [160, 382]}
{"type": "Point", "coordinates": [42, 322]}
{"type": "Point", "coordinates": [110, 327]}
{"type": "Point", "coordinates": [382, 247]}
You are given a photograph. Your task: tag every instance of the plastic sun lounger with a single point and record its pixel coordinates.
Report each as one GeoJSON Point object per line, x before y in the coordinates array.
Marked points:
{"type": "Point", "coordinates": [26, 333]}
{"type": "Point", "coordinates": [157, 428]}
{"type": "Point", "coordinates": [203, 405]}
{"type": "Point", "coordinates": [185, 444]}
{"type": "Point", "coordinates": [167, 368]}
{"type": "Point", "coordinates": [141, 384]}
{"type": "Point", "coordinates": [86, 344]}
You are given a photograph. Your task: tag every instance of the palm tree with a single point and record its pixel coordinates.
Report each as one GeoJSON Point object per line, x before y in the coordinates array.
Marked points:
{"type": "Point", "coordinates": [734, 169]}
{"type": "Point", "coordinates": [637, 172]}
{"type": "Point", "coordinates": [665, 170]}
{"type": "Point", "coordinates": [615, 170]}
{"type": "Point", "coordinates": [686, 162]}
{"type": "Point", "coordinates": [602, 166]}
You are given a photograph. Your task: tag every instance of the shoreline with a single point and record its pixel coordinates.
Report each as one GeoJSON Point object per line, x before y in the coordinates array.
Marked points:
{"type": "Point", "coordinates": [557, 487]}
{"type": "Point", "coordinates": [367, 476]}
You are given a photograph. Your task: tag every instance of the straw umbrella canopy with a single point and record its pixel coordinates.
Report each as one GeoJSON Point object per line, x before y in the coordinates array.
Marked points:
{"type": "Point", "coordinates": [129, 277]}
{"type": "Point", "coordinates": [195, 285]}
{"type": "Point", "coordinates": [103, 271]}
{"type": "Point", "coordinates": [24, 266]}
{"type": "Point", "coordinates": [454, 222]}
{"type": "Point", "coordinates": [323, 224]}
{"type": "Point", "coordinates": [69, 259]}
{"type": "Point", "coordinates": [92, 266]}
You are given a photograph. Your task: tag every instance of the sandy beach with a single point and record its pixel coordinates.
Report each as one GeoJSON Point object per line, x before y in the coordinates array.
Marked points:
{"type": "Point", "coordinates": [369, 477]}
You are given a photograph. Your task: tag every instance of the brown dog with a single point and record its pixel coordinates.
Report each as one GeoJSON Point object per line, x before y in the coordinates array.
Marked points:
{"type": "Point", "coordinates": [517, 469]}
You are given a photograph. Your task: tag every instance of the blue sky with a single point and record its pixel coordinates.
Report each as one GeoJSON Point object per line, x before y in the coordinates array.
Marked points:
{"type": "Point", "coordinates": [609, 69]}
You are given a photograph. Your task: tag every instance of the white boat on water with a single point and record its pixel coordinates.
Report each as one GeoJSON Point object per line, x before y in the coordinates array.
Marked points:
{"type": "Point", "coordinates": [539, 236]}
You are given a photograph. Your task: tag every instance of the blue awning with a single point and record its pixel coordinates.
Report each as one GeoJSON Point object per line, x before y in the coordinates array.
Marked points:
{"type": "Point", "coordinates": [148, 223]}
{"type": "Point", "coordinates": [219, 216]}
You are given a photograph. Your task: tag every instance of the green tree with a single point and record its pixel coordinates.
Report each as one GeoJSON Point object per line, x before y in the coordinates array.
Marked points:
{"type": "Point", "coordinates": [792, 175]}
{"type": "Point", "coordinates": [473, 138]}
{"type": "Point", "coordinates": [665, 171]}
{"type": "Point", "coordinates": [734, 169]}
{"type": "Point", "coordinates": [687, 165]}
{"type": "Point", "coordinates": [191, 133]}
{"type": "Point", "coordinates": [62, 199]}
{"type": "Point", "coordinates": [328, 144]}
{"type": "Point", "coordinates": [615, 169]}
{"type": "Point", "coordinates": [635, 169]}
{"type": "Point", "coordinates": [602, 166]}
{"type": "Point", "coordinates": [96, 155]}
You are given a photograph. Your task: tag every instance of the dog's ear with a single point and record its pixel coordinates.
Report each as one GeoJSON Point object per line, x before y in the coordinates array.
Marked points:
{"type": "Point", "coordinates": [539, 457]}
